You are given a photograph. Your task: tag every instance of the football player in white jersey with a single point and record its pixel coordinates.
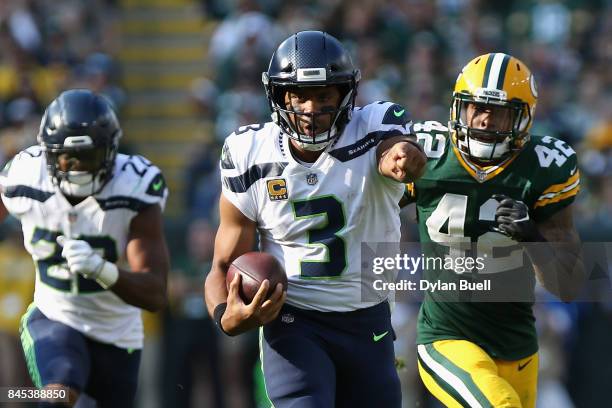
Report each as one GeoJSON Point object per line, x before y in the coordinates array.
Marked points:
{"type": "Point", "coordinates": [83, 208]}
{"type": "Point", "coordinates": [316, 182]}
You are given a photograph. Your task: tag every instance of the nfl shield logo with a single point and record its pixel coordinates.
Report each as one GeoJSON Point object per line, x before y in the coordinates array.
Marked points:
{"type": "Point", "coordinates": [312, 179]}
{"type": "Point", "coordinates": [287, 318]}
{"type": "Point", "coordinates": [482, 175]}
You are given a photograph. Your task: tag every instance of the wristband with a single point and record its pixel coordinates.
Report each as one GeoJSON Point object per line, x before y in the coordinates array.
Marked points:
{"type": "Point", "coordinates": [413, 142]}
{"type": "Point", "coordinates": [218, 314]}
{"type": "Point", "coordinates": [107, 275]}
{"type": "Point", "coordinates": [409, 138]}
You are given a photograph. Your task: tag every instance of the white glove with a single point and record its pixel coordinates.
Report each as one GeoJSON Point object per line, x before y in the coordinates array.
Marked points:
{"type": "Point", "coordinates": [82, 259]}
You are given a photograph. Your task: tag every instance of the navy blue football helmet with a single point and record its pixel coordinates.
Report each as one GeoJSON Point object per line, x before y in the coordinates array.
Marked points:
{"type": "Point", "coordinates": [307, 59]}
{"type": "Point", "coordinates": [82, 126]}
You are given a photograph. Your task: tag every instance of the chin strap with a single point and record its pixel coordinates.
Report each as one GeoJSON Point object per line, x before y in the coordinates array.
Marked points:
{"type": "Point", "coordinates": [312, 147]}
{"type": "Point", "coordinates": [107, 275]}
{"type": "Point", "coordinates": [73, 189]}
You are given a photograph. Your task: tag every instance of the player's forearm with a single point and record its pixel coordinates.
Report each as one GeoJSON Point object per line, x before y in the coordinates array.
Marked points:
{"type": "Point", "coordinates": [559, 268]}
{"type": "Point", "coordinates": [144, 290]}
{"type": "Point", "coordinates": [215, 289]}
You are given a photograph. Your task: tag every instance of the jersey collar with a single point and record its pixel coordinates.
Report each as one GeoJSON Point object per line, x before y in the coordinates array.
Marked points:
{"type": "Point", "coordinates": [283, 145]}
{"type": "Point", "coordinates": [484, 173]}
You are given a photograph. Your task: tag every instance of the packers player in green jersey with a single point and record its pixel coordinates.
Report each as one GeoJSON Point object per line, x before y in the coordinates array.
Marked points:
{"type": "Point", "coordinates": [488, 182]}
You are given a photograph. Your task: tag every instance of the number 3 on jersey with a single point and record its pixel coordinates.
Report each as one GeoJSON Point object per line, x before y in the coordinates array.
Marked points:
{"type": "Point", "coordinates": [325, 235]}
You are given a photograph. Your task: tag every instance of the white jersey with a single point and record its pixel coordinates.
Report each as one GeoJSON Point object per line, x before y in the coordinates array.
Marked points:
{"type": "Point", "coordinates": [102, 220]}
{"type": "Point", "coordinates": [314, 219]}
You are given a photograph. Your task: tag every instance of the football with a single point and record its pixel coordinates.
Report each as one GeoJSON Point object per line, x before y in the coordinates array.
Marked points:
{"type": "Point", "coordinates": [255, 267]}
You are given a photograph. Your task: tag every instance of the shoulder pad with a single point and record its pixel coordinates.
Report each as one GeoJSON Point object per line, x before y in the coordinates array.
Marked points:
{"type": "Point", "coordinates": [31, 152]}
{"type": "Point", "coordinates": [379, 119]}
{"type": "Point", "coordinates": [243, 144]}
{"type": "Point", "coordinates": [396, 115]}
{"type": "Point", "coordinates": [137, 178]}
{"type": "Point", "coordinates": [432, 136]}
{"type": "Point", "coordinates": [558, 180]}
{"type": "Point", "coordinates": [25, 178]}
{"type": "Point", "coordinates": [554, 156]}
{"type": "Point", "coordinates": [249, 129]}
{"type": "Point", "coordinates": [25, 168]}
{"type": "Point", "coordinates": [385, 113]}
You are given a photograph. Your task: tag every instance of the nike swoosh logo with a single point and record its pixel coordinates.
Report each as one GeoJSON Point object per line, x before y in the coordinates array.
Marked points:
{"type": "Point", "coordinates": [380, 336]}
{"type": "Point", "coordinates": [398, 114]}
{"type": "Point", "coordinates": [157, 185]}
{"type": "Point", "coordinates": [521, 366]}
{"type": "Point", "coordinates": [573, 171]}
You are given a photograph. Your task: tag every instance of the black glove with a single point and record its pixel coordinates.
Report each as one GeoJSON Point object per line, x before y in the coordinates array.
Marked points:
{"type": "Point", "coordinates": [512, 218]}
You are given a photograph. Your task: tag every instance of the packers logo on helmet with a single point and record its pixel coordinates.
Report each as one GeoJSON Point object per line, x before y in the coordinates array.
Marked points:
{"type": "Point", "coordinates": [498, 81]}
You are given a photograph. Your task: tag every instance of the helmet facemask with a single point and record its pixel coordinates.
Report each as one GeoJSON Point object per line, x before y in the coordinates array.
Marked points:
{"type": "Point", "coordinates": [325, 125]}
{"type": "Point", "coordinates": [94, 165]}
{"type": "Point", "coordinates": [489, 146]}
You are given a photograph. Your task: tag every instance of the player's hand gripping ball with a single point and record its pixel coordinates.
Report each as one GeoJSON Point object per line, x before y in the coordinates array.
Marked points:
{"type": "Point", "coordinates": [255, 267]}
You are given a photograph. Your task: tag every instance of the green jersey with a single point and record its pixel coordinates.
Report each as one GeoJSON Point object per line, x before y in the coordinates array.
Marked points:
{"type": "Point", "coordinates": [456, 211]}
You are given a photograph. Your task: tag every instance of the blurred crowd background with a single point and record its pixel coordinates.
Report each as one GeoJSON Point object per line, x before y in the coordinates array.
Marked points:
{"type": "Point", "coordinates": [183, 74]}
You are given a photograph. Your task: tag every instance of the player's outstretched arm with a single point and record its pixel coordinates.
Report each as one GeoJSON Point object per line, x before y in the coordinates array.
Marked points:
{"type": "Point", "coordinates": [144, 285]}
{"type": "Point", "coordinates": [400, 159]}
{"type": "Point", "coordinates": [236, 236]}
